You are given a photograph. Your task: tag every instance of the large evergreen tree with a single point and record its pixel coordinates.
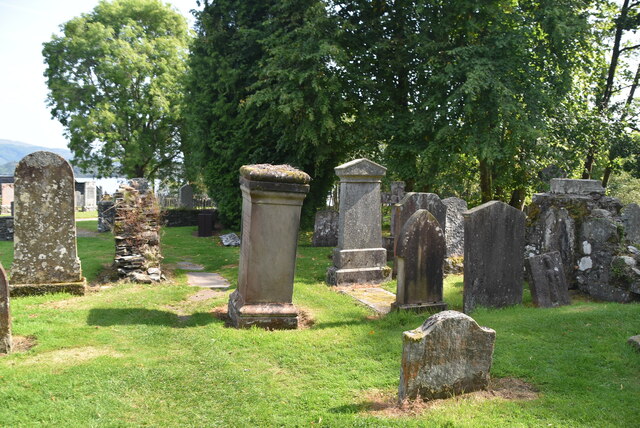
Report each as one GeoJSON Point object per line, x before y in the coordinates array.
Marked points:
{"type": "Point", "coordinates": [264, 88]}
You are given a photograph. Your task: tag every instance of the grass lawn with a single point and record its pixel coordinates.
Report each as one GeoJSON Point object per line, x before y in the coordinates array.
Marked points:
{"type": "Point", "coordinates": [87, 214]}
{"type": "Point", "coordinates": [134, 355]}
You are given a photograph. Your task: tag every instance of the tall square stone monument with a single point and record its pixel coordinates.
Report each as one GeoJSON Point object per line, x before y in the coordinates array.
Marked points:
{"type": "Point", "coordinates": [359, 257]}
{"type": "Point", "coordinates": [45, 255]}
{"type": "Point", "coordinates": [272, 197]}
{"type": "Point", "coordinates": [493, 256]}
{"type": "Point", "coordinates": [5, 314]}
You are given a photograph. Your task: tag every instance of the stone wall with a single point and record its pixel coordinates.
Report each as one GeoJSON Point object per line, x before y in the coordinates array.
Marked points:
{"type": "Point", "coordinates": [594, 241]}
{"type": "Point", "coordinates": [6, 228]}
{"type": "Point", "coordinates": [185, 217]}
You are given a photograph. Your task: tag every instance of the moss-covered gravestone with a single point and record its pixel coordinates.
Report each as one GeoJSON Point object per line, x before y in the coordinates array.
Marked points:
{"type": "Point", "coordinates": [5, 314]}
{"type": "Point", "coordinates": [45, 255]}
{"type": "Point", "coordinates": [272, 197]}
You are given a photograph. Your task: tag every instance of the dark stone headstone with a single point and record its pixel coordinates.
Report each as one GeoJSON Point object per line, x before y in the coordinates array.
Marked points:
{"type": "Point", "coordinates": [631, 222]}
{"type": "Point", "coordinates": [5, 314]}
{"type": "Point", "coordinates": [455, 226]}
{"type": "Point", "coordinates": [449, 354]}
{"type": "Point", "coordinates": [411, 203]}
{"type": "Point", "coordinates": [106, 215]}
{"type": "Point", "coordinates": [45, 249]}
{"type": "Point", "coordinates": [205, 224]}
{"type": "Point", "coordinates": [547, 280]}
{"type": "Point", "coordinates": [186, 196]}
{"type": "Point", "coordinates": [420, 255]}
{"type": "Point", "coordinates": [493, 256]}
{"type": "Point", "coordinates": [325, 229]}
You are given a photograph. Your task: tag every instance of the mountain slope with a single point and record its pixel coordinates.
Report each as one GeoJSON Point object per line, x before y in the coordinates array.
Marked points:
{"type": "Point", "coordinates": [13, 151]}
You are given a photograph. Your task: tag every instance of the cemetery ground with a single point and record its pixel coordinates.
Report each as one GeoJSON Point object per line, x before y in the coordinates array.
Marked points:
{"type": "Point", "coordinates": [158, 355]}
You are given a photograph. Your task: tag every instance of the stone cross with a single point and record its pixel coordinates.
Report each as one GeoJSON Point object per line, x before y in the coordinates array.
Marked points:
{"type": "Point", "coordinates": [325, 229]}
{"type": "Point", "coordinates": [410, 204]}
{"type": "Point", "coordinates": [493, 256]}
{"type": "Point", "coordinates": [455, 226]}
{"type": "Point", "coordinates": [359, 256]}
{"type": "Point", "coordinates": [420, 255]}
{"type": "Point", "coordinates": [45, 249]}
{"type": "Point", "coordinates": [5, 314]}
{"type": "Point", "coordinates": [449, 354]}
{"type": "Point", "coordinates": [272, 197]}
{"type": "Point", "coordinates": [186, 196]}
{"type": "Point", "coordinates": [547, 281]}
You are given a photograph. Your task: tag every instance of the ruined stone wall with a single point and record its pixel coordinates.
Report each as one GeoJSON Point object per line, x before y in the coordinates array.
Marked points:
{"type": "Point", "coordinates": [137, 234]}
{"type": "Point", "coordinates": [588, 230]}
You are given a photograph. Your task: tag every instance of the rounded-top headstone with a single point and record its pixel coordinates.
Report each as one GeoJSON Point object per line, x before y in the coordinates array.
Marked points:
{"type": "Point", "coordinates": [45, 250]}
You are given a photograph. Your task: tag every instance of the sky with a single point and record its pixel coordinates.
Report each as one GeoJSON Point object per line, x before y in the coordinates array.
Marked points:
{"type": "Point", "coordinates": [24, 27]}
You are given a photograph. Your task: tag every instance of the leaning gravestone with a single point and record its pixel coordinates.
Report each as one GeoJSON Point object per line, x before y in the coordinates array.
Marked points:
{"type": "Point", "coordinates": [5, 314]}
{"type": "Point", "coordinates": [420, 256]}
{"type": "Point", "coordinates": [493, 255]}
{"type": "Point", "coordinates": [186, 196]}
{"type": "Point", "coordinates": [359, 256]}
{"type": "Point", "coordinates": [547, 281]}
{"type": "Point", "coordinates": [325, 229]}
{"type": "Point", "coordinates": [272, 197]}
{"type": "Point", "coordinates": [411, 203]}
{"type": "Point", "coordinates": [455, 226]}
{"type": "Point", "coordinates": [449, 354]}
{"type": "Point", "coordinates": [45, 249]}
{"type": "Point", "coordinates": [631, 222]}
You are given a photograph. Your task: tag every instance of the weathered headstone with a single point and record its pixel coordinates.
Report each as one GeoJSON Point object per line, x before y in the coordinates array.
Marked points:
{"type": "Point", "coordinates": [106, 215]}
{"type": "Point", "coordinates": [631, 222]}
{"type": "Point", "coordinates": [576, 187]}
{"type": "Point", "coordinates": [5, 314]}
{"type": "Point", "coordinates": [449, 354]}
{"type": "Point", "coordinates": [411, 203]}
{"type": "Point", "coordinates": [186, 196]}
{"type": "Point", "coordinates": [45, 249]}
{"type": "Point", "coordinates": [6, 228]}
{"type": "Point", "coordinates": [272, 197]}
{"type": "Point", "coordinates": [325, 229]}
{"type": "Point", "coordinates": [359, 256]}
{"type": "Point", "coordinates": [493, 255]}
{"type": "Point", "coordinates": [455, 226]}
{"type": "Point", "coordinates": [547, 280]}
{"type": "Point", "coordinates": [7, 197]}
{"type": "Point", "coordinates": [420, 255]}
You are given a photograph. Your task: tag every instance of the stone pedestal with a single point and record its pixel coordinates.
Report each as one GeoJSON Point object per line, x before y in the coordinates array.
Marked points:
{"type": "Point", "coordinates": [45, 249]}
{"type": "Point", "coordinates": [359, 257]}
{"type": "Point", "coordinates": [272, 197]}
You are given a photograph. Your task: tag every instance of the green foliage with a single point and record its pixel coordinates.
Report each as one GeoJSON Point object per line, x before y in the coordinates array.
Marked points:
{"type": "Point", "coordinates": [263, 89]}
{"type": "Point", "coordinates": [114, 80]}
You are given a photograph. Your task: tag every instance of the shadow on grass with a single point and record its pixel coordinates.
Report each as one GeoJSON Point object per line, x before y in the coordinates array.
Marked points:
{"type": "Point", "coordinates": [106, 317]}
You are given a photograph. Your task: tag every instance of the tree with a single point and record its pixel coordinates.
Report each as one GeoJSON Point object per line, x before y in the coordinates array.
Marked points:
{"type": "Point", "coordinates": [114, 79]}
{"type": "Point", "coordinates": [263, 88]}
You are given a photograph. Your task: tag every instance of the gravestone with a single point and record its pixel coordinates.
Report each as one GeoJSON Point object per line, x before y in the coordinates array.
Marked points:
{"type": "Point", "coordinates": [359, 256]}
{"type": "Point", "coordinates": [493, 255]}
{"type": "Point", "coordinates": [106, 215]}
{"type": "Point", "coordinates": [45, 249]}
{"type": "Point", "coordinates": [90, 196]}
{"type": "Point", "coordinates": [411, 203]}
{"type": "Point", "coordinates": [205, 224]}
{"type": "Point", "coordinates": [186, 196]}
{"type": "Point", "coordinates": [7, 196]}
{"type": "Point", "coordinates": [455, 226]}
{"type": "Point", "coordinates": [5, 314]}
{"type": "Point", "coordinates": [631, 222]}
{"type": "Point", "coordinates": [449, 354]}
{"type": "Point", "coordinates": [576, 187]}
{"type": "Point", "coordinates": [547, 280]}
{"type": "Point", "coordinates": [272, 197]}
{"type": "Point", "coordinates": [420, 256]}
{"type": "Point", "coordinates": [325, 228]}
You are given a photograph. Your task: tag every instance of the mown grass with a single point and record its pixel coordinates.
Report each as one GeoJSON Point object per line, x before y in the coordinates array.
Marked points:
{"type": "Point", "coordinates": [123, 356]}
{"type": "Point", "coordinates": [87, 214]}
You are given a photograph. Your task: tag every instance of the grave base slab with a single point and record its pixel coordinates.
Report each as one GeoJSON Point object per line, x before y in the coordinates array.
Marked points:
{"type": "Point", "coordinates": [271, 316]}
{"type": "Point", "coordinates": [77, 288]}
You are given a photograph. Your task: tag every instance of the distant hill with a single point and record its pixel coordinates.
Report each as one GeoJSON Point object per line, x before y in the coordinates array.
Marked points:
{"type": "Point", "coordinates": [12, 151]}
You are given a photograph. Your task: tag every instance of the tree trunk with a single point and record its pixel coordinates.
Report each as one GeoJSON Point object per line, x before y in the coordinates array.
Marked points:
{"type": "Point", "coordinates": [486, 181]}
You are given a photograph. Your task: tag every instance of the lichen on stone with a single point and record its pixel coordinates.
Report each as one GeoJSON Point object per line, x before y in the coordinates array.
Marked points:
{"type": "Point", "coordinates": [279, 173]}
